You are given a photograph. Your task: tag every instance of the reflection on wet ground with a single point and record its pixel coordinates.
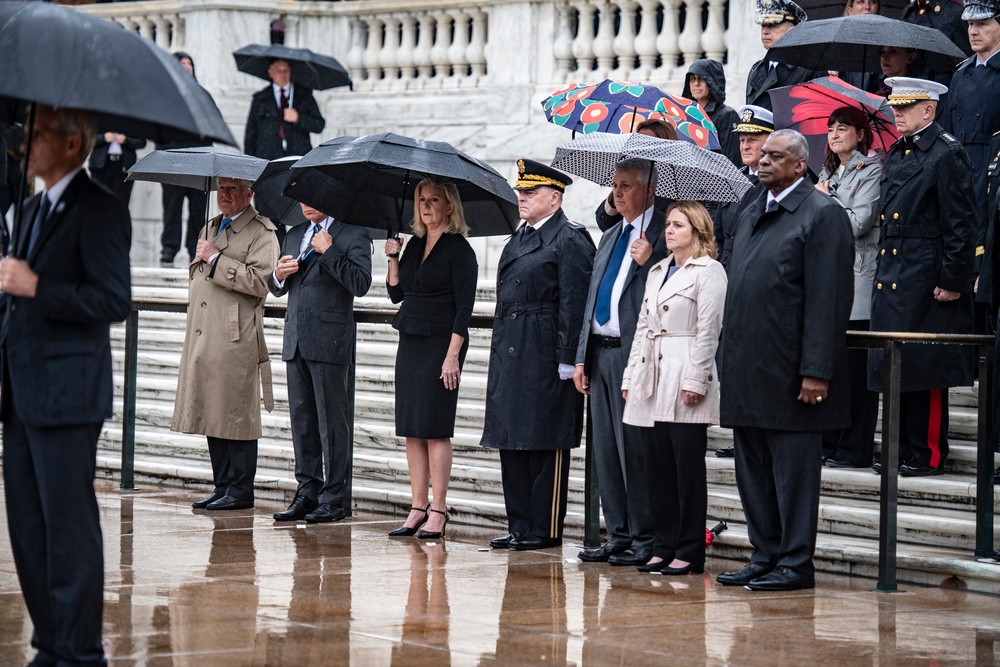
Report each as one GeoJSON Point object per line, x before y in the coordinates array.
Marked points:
{"type": "Point", "coordinates": [198, 588]}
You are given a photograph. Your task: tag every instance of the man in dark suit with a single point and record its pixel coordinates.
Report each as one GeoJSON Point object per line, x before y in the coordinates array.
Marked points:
{"type": "Point", "coordinates": [281, 117]}
{"type": "Point", "coordinates": [775, 18]}
{"type": "Point", "coordinates": [66, 281]}
{"type": "Point", "coordinates": [112, 157]}
{"type": "Point", "coordinates": [534, 415]}
{"type": "Point", "coordinates": [617, 284]}
{"type": "Point", "coordinates": [791, 285]}
{"type": "Point", "coordinates": [324, 265]}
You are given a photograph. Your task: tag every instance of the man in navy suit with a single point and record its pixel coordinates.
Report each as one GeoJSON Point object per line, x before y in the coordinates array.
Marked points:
{"type": "Point", "coordinates": [66, 281]}
{"type": "Point", "coordinates": [324, 265]}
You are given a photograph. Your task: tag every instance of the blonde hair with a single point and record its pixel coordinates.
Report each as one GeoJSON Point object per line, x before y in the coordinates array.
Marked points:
{"type": "Point", "coordinates": [703, 242]}
{"type": "Point", "coordinates": [456, 220]}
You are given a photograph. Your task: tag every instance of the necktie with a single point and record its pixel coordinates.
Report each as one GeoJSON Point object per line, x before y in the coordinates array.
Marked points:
{"type": "Point", "coordinates": [771, 206]}
{"type": "Point", "coordinates": [36, 226]}
{"type": "Point", "coordinates": [281, 121]}
{"type": "Point", "coordinates": [308, 253]}
{"type": "Point", "coordinates": [225, 223]}
{"type": "Point", "coordinates": [602, 311]}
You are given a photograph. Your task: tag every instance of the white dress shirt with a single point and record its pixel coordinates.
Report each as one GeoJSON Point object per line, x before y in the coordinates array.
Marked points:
{"type": "Point", "coordinates": [304, 244]}
{"type": "Point", "coordinates": [612, 327]}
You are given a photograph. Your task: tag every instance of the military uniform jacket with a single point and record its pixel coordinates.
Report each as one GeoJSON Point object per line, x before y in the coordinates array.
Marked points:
{"type": "Point", "coordinates": [787, 306]}
{"type": "Point", "coordinates": [728, 215]}
{"type": "Point", "coordinates": [542, 280]}
{"type": "Point", "coordinates": [945, 15]}
{"type": "Point", "coordinates": [763, 77]}
{"type": "Point", "coordinates": [990, 275]}
{"type": "Point", "coordinates": [927, 220]}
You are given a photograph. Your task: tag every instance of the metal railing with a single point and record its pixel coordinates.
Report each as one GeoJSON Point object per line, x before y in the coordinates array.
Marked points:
{"type": "Point", "coordinates": [891, 342]}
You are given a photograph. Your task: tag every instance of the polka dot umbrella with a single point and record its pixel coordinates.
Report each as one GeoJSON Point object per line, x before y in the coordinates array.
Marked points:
{"type": "Point", "coordinates": [617, 107]}
{"type": "Point", "coordinates": [686, 172]}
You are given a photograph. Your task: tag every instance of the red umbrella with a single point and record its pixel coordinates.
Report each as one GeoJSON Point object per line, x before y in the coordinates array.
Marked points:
{"type": "Point", "coordinates": [806, 107]}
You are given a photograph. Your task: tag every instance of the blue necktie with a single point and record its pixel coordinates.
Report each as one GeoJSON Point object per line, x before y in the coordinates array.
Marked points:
{"type": "Point", "coordinates": [309, 252]}
{"type": "Point", "coordinates": [771, 206]}
{"type": "Point", "coordinates": [225, 223]}
{"type": "Point", "coordinates": [36, 228]}
{"type": "Point", "coordinates": [602, 313]}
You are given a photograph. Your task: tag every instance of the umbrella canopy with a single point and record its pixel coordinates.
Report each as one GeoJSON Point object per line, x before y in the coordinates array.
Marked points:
{"type": "Point", "coordinates": [851, 44]}
{"type": "Point", "coordinates": [199, 168]}
{"type": "Point", "coordinates": [828, 9]}
{"type": "Point", "coordinates": [686, 172]}
{"type": "Point", "coordinates": [58, 56]}
{"type": "Point", "coordinates": [619, 106]}
{"type": "Point", "coordinates": [269, 195]}
{"type": "Point", "coordinates": [369, 181]}
{"type": "Point", "coordinates": [807, 106]}
{"type": "Point", "coordinates": [309, 69]}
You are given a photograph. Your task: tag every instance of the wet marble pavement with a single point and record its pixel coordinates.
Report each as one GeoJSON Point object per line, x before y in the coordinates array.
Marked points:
{"type": "Point", "coordinates": [198, 588]}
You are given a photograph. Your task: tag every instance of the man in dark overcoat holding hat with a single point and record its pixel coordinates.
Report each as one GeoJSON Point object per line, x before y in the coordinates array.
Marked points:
{"type": "Point", "coordinates": [534, 415]}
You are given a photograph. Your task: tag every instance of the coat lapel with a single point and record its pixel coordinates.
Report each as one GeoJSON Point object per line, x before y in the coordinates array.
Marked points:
{"type": "Point", "coordinates": [903, 171]}
{"type": "Point", "coordinates": [55, 216]}
{"type": "Point", "coordinates": [520, 246]}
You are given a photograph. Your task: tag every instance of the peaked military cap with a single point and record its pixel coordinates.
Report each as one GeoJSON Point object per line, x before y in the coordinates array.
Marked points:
{"type": "Point", "coordinates": [906, 90]}
{"type": "Point", "coordinates": [773, 12]}
{"type": "Point", "coordinates": [754, 120]}
{"type": "Point", "coordinates": [981, 10]}
{"type": "Point", "coordinates": [531, 175]}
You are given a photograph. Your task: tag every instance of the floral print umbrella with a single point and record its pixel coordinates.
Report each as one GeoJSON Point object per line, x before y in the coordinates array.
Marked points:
{"type": "Point", "coordinates": [617, 107]}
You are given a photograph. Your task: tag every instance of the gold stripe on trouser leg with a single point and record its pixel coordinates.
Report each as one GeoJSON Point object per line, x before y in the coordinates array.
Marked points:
{"type": "Point", "coordinates": [556, 495]}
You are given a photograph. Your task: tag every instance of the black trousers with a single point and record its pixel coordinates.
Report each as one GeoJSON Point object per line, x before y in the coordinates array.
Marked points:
{"type": "Point", "coordinates": [856, 443]}
{"type": "Point", "coordinates": [923, 427]}
{"type": "Point", "coordinates": [173, 208]}
{"type": "Point", "coordinates": [321, 434]}
{"type": "Point", "coordinates": [778, 477]}
{"type": "Point", "coordinates": [112, 176]}
{"type": "Point", "coordinates": [55, 534]}
{"type": "Point", "coordinates": [674, 459]}
{"type": "Point", "coordinates": [534, 490]}
{"type": "Point", "coordinates": [234, 466]}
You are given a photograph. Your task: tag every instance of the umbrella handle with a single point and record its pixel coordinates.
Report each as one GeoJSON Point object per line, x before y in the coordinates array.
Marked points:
{"type": "Point", "coordinates": [5, 240]}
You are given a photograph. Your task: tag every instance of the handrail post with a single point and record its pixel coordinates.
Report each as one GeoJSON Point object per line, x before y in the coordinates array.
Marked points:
{"type": "Point", "coordinates": [890, 468]}
{"type": "Point", "coordinates": [128, 400]}
{"type": "Point", "coordinates": [984, 457]}
{"type": "Point", "coordinates": [348, 501]}
{"type": "Point", "coordinates": [591, 492]}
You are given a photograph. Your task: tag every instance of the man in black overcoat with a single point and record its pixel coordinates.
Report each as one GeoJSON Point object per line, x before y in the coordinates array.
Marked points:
{"type": "Point", "coordinates": [626, 252]}
{"type": "Point", "coordinates": [324, 265]}
{"type": "Point", "coordinates": [281, 117]}
{"type": "Point", "coordinates": [924, 279]}
{"type": "Point", "coordinates": [112, 157]}
{"type": "Point", "coordinates": [66, 281]}
{"type": "Point", "coordinates": [944, 15]}
{"type": "Point", "coordinates": [791, 286]}
{"type": "Point", "coordinates": [992, 261]}
{"type": "Point", "coordinates": [534, 415]}
{"type": "Point", "coordinates": [775, 18]}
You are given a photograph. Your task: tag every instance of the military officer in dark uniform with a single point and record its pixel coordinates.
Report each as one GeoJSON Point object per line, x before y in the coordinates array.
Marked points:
{"type": "Point", "coordinates": [775, 18]}
{"type": "Point", "coordinates": [971, 113]}
{"type": "Point", "coordinates": [924, 278]}
{"type": "Point", "coordinates": [945, 15]}
{"type": "Point", "coordinates": [991, 270]}
{"type": "Point", "coordinates": [534, 415]}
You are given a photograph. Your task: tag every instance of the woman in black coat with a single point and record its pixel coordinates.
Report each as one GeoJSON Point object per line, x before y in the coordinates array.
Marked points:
{"type": "Point", "coordinates": [436, 281]}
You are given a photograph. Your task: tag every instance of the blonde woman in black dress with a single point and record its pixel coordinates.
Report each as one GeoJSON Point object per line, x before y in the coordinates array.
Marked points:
{"type": "Point", "coordinates": [436, 281]}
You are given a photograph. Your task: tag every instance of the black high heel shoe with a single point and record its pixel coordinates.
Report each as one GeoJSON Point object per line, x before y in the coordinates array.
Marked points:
{"type": "Point", "coordinates": [433, 535]}
{"type": "Point", "coordinates": [690, 568]}
{"type": "Point", "coordinates": [407, 531]}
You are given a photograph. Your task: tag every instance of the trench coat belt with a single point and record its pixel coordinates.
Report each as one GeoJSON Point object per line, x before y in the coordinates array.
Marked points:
{"type": "Point", "coordinates": [263, 361]}
{"type": "Point", "coordinates": [647, 375]}
{"type": "Point", "coordinates": [505, 309]}
{"type": "Point", "coordinates": [911, 231]}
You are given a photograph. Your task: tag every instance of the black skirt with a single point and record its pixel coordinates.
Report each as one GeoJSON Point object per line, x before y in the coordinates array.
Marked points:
{"type": "Point", "coordinates": [424, 407]}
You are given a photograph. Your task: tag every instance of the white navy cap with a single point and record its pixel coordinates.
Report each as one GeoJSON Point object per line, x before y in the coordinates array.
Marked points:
{"type": "Point", "coordinates": [906, 90]}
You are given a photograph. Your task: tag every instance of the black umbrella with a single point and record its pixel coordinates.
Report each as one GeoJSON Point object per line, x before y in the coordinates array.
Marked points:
{"type": "Point", "coordinates": [269, 195]}
{"type": "Point", "coordinates": [58, 56]}
{"type": "Point", "coordinates": [200, 167]}
{"type": "Point", "coordinates": [851, 44]}
{"type": "Point", "coordinates": [309, 69]}
{"type": "Point", "coordinates": [369, 181]}
{"type": "Point", "coordinates": [828, 9]}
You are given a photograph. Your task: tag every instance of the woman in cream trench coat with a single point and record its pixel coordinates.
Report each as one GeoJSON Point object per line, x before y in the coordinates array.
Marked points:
{"type": "Point", "coordinates": [671, 385]}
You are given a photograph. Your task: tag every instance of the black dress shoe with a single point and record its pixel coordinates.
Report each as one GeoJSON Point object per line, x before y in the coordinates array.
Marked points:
{"type": "Point", "coordinates": [781, 579]}
{"type": "Point", "coordinates": [325, 512]}
{"type": "Point", "coordinates": [842, 463]}
{"type": "Point", "coordinates": [434, 534]}
{"type": "Point", "coordinates": [531, 542]}
{"type": "Point", "coordinates": [690, 568]}
{"type": "Point", "coordinates": [297, 510]}
{"type": "Point", "coordinates": [502, 542]}
{"type": "Point", "coordinates": [996, 476]}
{"type": "Point", "coordinates": [601, 555]}
{"type": "Point", "coordinates": [996, 555]}
{"type": "Point", "coordinates": [918, 469]}
{"type": "Point", "coordinates": [205, 502]}
{"type": "Point", "coordinates": [230, 503]}
{"type": "Point", "coordinates": [726, 452]}
{"type": "Point", "coordinates": [410, 531]}
{"type": "Point", "coordinates": [653, 567]}
{"type": "Point", "coordinates": [631, 557]}
{"type": "Point", "coordinates": [743, 577]}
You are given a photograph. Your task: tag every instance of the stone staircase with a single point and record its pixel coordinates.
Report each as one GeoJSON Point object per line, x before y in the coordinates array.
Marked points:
{"type": "Point", "coordinates": [936, 515]}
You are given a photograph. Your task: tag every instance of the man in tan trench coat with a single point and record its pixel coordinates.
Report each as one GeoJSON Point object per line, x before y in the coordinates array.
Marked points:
{"type": "Point", "coordinates": [224, 364]}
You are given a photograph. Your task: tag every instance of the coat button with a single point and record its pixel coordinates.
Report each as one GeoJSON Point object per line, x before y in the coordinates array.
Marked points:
{"type": "Point", "coordinates": [894, 286]}
{"type": "Point", "coordinates": [501, 280]}
{"type": "Point", "coordinates": [204, 305]}
{"type": "Point", "coordinates": [513, 316]}
{"type": "Point", "coordinates": [510, 351]}
{"type": "Point", "coordinates": [197, 332]}
{"type": "Point", "coordinates": [893, 251]}
{"type": "Point", "coordinates": [644, 360]}
{"type": "Point", "coordinates": [907, 152]}
{"type": "Point", "coordinates": [663, 331]}
{"type": "Point", "coordinates": [879, 286]}
{"type": "Point", "coordinates": [709, 377]}
{"type": "Point", "coordinates": [883, 251]}
{"type": "Point", "coordinates": [883, 216]}
{"type": "Point", "coordinates": [666, 307]}
{"type": "Point", "coordinates": [517, 281]}
{"type": "Point", "coordinates": [895, 216]}
{"type": "Point", "coordinates": [660, 356]}
{"type": "Point", "coordinates": [207, 278]}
